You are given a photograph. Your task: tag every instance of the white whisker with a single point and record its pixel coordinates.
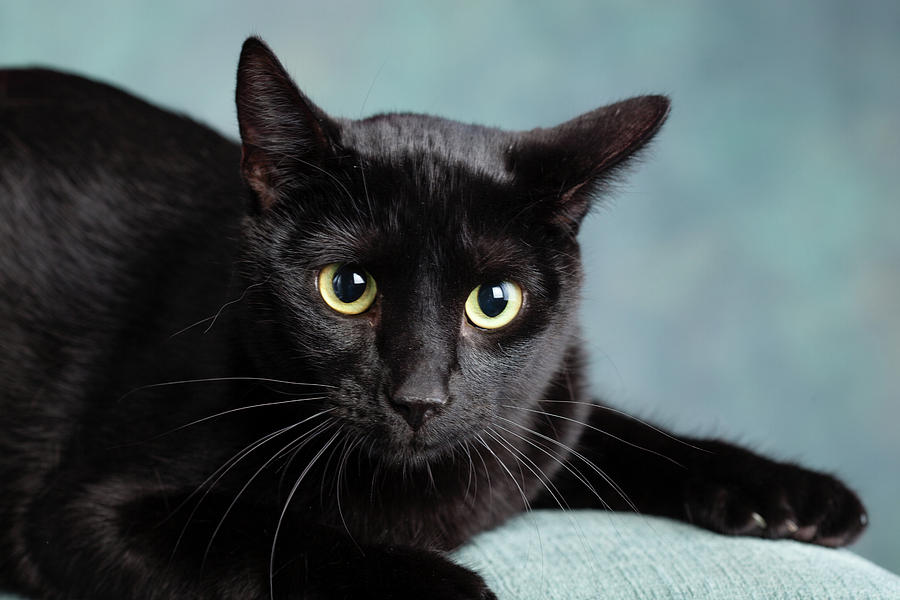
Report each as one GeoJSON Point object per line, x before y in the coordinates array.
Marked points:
{"type": "Point", "coordinates": [597, 429]}
{"type": "Point", "coordinates": [219, 380]}
{"type": "Point", "coordinates": [345, 454]}
{"type": "Point", "coordinates": [584, 459]}
{"type": "Point", "coordinates": [234, 410]}
{"type": "Point", "coordinates": [633, 418]}
{"type": "Point", "coordinates": [508, 472]}
{"type": "Point", "coordinates": [564, 464]}
{"type": "Point", "coordinates": [471, 477]}
{"type": "Point", "coordinates": [227, 465]}
{"type": "Point", "coordinates": [302, 440]}
{"type": "Point", "coordinates": [487, 475]}
{"type": "Point", "coordinates": [520, 458]}
{"type": "Point", "coordinates": [285, 509]}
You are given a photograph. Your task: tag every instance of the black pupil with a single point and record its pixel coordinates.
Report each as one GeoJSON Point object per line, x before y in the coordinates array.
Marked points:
{"type": "Point", "coordinates": [492, 299]}
{"type": "Point", "coordinates": [349, 283]}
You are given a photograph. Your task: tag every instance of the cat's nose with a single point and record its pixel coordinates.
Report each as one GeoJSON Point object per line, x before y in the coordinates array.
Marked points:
{"type": "Point", "coordinates": [416, 411]}
{"type": "Point", "coordinates": [422, 392]}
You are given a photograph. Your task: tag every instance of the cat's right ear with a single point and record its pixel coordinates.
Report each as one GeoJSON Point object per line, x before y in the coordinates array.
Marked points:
{"type": "Point", "coordinates": [285, 138]}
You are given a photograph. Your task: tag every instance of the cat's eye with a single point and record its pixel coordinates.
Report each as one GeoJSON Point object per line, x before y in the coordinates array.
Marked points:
{"type": "Point", "coordinates": [494, 305]}
{"type": "Point", "coordinates": [347, 288]}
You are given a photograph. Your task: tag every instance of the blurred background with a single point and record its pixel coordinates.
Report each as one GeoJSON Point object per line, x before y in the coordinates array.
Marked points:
{"type": "Point", "coordinates": [746, 283]}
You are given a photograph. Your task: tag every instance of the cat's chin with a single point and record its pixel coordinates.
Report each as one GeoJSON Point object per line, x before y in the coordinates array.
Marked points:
{"type": "Point", "coordinates": [413, 449]}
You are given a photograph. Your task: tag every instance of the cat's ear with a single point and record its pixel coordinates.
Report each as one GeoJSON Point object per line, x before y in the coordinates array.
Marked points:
{"type": "Point", "coordinates": [570, 163]}
{"type": "Point", "coordinates": [285, 137]}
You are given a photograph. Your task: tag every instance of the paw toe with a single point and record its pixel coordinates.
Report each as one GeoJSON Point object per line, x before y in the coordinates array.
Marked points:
{"type": "Point", "coordinates": [793, 503]}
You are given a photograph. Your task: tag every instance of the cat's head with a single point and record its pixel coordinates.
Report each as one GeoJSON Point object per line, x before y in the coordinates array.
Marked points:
{"type": "Point", "coordinates": [426, 269]}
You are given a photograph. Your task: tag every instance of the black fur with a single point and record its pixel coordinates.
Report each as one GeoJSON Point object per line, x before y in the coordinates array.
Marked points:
{"type": "Point", "coordinates": [185, 417]}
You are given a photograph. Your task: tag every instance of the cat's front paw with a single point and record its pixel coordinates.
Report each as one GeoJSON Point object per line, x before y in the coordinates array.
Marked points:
{"type": "Point", "coordinates": [400, 573]}
{"type": "Point", "coordinates": [750, 495]}
{"type": "Point", "coordinates": [438, 580]}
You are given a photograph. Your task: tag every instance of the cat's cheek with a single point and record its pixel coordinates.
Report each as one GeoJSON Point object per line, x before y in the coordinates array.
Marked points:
{"type": "Point", "coordinates": [486, 338]}
{"type": "Point", "coordinates": [363, 324]}
{"type": "Point", "coordinates": [348, 331]}
{"type": "Point", "coordinates": [467, 332]}
{"type": "Point", "coordinates": [373, 316]}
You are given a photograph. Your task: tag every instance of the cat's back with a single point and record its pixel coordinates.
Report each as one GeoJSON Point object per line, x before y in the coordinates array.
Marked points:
{"type": "Point", "coordinates": [107, 206]}
{"type": "Point", "coordinates": [68, 144]}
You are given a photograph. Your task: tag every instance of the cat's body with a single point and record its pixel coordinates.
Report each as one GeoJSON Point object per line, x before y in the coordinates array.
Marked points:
{"type": "Point", "coordinates": [160, 318]}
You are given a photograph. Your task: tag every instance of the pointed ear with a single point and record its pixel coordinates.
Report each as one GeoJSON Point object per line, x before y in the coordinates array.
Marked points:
{"type": "Point", "coordinates": [569, 163]}
{"type": "Point", "coordinates": [285, 137]}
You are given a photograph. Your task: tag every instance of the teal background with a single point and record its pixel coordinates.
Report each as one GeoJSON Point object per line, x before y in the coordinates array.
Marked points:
{"type": "Point", "coordinates": [746, 283]}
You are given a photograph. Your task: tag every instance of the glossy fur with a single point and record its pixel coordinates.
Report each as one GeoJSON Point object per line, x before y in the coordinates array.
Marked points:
{"type": "Point", "coordinates": [183, 415]}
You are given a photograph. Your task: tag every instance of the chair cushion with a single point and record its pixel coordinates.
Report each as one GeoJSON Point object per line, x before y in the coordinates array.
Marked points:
{"type": "Point", "coordinates": [587, 555]}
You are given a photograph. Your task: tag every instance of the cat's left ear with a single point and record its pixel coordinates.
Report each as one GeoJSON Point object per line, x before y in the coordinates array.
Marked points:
{"type": "Point", "coordinates": [570, 163]}
{"type": "Point", "coordinates": [286, 139]}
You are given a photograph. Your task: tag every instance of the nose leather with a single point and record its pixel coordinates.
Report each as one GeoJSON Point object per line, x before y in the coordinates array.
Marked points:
{"type": "Point", "coordinates": [421, 396]}
{"type": "Point", "coordinates": [416, 411]}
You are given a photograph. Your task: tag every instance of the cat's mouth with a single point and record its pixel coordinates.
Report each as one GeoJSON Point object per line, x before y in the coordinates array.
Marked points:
{"type": "Point", "coordinates": [403, 445]}
{"type": "Point", "coordinates": [402, 434]}
{"type": "Point", "coordinates": [420, 444]}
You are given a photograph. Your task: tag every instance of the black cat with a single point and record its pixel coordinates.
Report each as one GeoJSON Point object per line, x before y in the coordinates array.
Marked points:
{"type": "Point", "coordinates": [309, 377]}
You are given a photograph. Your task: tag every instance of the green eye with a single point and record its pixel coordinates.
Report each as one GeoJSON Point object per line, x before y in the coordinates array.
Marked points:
{"type": "Point", "coordinates": [347, 288]}
{"type": "Point", "coordinates": [494, 305]}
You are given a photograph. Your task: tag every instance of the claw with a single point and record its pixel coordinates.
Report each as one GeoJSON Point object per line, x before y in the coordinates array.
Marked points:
{"type": "Point", "coordinates": [759, 520]}
{"type": "Point", "coordinates": [791, 526]}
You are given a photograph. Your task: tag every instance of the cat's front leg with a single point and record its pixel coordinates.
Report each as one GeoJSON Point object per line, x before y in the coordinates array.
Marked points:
{"type": "Point", "coordinates": [107, 540]}
{"type": "Point", "coordinates": [709, 483]}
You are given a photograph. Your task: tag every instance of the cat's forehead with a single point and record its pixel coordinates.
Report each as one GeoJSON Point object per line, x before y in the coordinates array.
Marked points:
{"type": "Point", "coordinates": [479, 149]}
{"type": "Point", "coordinates": [428, 192]}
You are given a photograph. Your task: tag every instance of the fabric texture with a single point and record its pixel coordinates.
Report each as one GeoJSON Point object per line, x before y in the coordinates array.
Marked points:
{"type": "Point", "coordinates": [588, 555]}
